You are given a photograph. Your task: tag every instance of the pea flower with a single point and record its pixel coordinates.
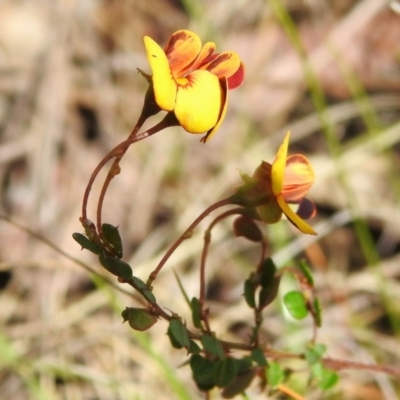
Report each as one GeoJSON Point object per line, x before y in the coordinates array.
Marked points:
{"type": "Point", "coordinates": [272, 188]}
{"type": "Point", "coordinates": [292, 177]}
{"type": "Point", "coordinates": [192, 82]}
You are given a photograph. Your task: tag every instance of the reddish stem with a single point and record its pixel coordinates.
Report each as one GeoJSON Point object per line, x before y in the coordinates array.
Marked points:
{"type": "Point", "coordinates": [186, 235]}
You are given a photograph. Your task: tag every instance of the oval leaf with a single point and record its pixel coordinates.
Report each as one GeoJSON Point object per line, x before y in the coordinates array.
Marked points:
{"type": "Point", "coordinates": [111, 234]}
{"type": "Point", "coordinates": [116, 267]}
{"type": "Point", "coordinates": [196, 312]}
{"type": "Point", "coordinates": [179, 332]}
{"type": "Point", "coordinates": [87, 244]}
{"type": "Point", "coordinates": [249, 293]}
{"type": "Point", "coordinates": [239, 384]}
{"type": "Point", "coordinates": [274, 374]}
{"type": "Point", "coordinates": [144, 289]}
{"type": "Point", "coordinates": [295, 304]}
{"type": "Point", "coordinates": [202, 371]}
{"type": "Point", "coordinates": [212, 346]}
{"type": "Point", "coordinates": [247, 228]}
{"type": "Point", "coordinates": [225, 371]}
{"type": "Point", "coordinates": [139, 319]}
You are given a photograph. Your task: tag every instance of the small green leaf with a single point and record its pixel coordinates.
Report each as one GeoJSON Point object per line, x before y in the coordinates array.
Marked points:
{"type": "Point", "coordinates": [239, 385]}
{"type": "Point", "coordinates": [116, 267]}
{"type": "Point", "coordinates": [268, 294]}
{"type": "Point", "coordinates": [244, 364]}
{"type": "Point", "coordinates": [139, 319]}
{"type": "Point", "coordinates": [318, 312]}
{"type": "Point", "coordinates": [325, 378]}
{"type": "Point", "coordinates": [202, 371]}
{"type": "Point", "coordinates": [196, 312]}
{"type": "Point", "coordinates": [305, 269]}
{"type": "Point", "coordinates": [257, 355]}
{"type": "Point", "coordinates": [274, 374]}
{"type": "Point", "coordinates": [247, 228]}
{"type": "Point", "coordinates": [179, 332]}
{"type": "Point", "coordinates": [144, 289]}
{"type": "Point", "coordinates": [314, 353]}
{"type": "Point", "coordinates": [112, 236]}
{"type": "Point", "coordinates": [296, 305]}
{"type": "Point", "coordinates": [194, 348]}
{"type": "Point", "coordinates": [87, 244]}
{"type": "Point", "coordinates": [225, 371]}
{"type": "Point", "coordinates": [267, 272]}
{"type": "Point", "coordinates": [212, 346]}
{"type": "Point", "coordinates": [249, 292]}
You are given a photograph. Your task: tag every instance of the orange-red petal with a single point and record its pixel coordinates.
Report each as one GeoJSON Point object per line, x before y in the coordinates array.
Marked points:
{"type": "Point", "coordinates": [237, 78]}
{"type": "Point", "coordinates": [182, 50]}
{"type": "Point", "coordinates": [298, 178]}
{"type": "Point", "coordinates": [293, 217]}
{"type": "Point", "coordinates": [163, 82]}
{"type": "Point", "coordinates": [198, 101]}
{"type": "Point", "coordinates": [223, 65]}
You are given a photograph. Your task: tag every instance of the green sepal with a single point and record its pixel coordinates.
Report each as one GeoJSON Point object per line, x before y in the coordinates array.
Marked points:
{"type": "Point", "coordinates": [268, 294]}
{"type": "Point", "coordinates": [87, 243]}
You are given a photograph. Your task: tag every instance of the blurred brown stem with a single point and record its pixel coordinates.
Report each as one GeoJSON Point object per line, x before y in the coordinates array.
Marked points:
{"type": "Point", "coordinates": [186, 235]}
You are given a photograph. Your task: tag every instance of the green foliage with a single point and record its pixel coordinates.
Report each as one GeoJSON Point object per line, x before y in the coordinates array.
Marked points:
{"type": "Point", "coordinates": [87, 244]}
{"type": "Point", "coordinates": [318, 312]}
{"type": "Point", "coordinates": [314, 353]}
{"type": "Point", "coordinates": [257, 355]}
{"type": "Point", "coordinates": [305, 269]}
{"type": "Point", "coordinates": [196, 312]}
{"type": "Point", "coordinates": [144, 289]}
{"type": "Point", "coordinates": [325, 378]}
{"type": "Point", "coordinates": [296, 304]}
{"type": "Point", "coordinates": [247, 228]}
{"type": "Point", "coordinates": [178, 333]}
{"type": "Point", "coordinates": [112, 236]}
{"type": "Point", "coordinates": [250, 292]}
{"type": "Point", "coordinates": [274, 374]}
{"type": "Point", "coordinates": [240, 383]}
{"type": "Point", "coordinates": [225, 371]}
{"type": "Point", "coordinates": [116, 267]}
{"type": "Point", "coordinates": [139, 319]}
{"type": "Point", "coordinates": [212, 345]}
{"type": "Point", "coordinates": [202, 371]}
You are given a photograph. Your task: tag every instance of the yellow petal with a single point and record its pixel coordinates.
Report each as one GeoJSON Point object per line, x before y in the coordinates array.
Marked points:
{"type": "Point", "coordinates": [224, 107]}
{"type": "Point", "coordinates": [182, 50]}
{"type": "Point", "coordinates": [163, 82]}
{"type": "Point", "coordinates": [299, 177]}
{"type": "Point", "coordinates": [293, 217]}
{"type": "Point", "coordinates": [278, 166]}
{"type": "Point", "coordinates": [198, 101]}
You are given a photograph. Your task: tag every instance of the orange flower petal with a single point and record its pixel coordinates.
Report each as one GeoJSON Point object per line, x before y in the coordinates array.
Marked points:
{"type": "Point", "coordinates": [293, 217]}
{"type": "Point", "coordinates": [182, 50]}
{"type": "Point", "coordinates": [237, 78]}
{"type": "Point", "coordinates": [223, 65]}
{"type": "Point", "coordinates": [163, 82]}
{"type": "Point", "coordinates": [198, 101]}
{"type": "Point", "coordinates": [278, 166]}
{"type": "Point", "coordinates": [299, 177]}
{"type": "Point", "coordinates": [224, 107]}
{"type": "Point", "coordinates": [205, 55]}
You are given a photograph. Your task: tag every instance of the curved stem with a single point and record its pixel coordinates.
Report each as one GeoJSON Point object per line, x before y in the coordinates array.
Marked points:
{"type": "Point", "coordinates": [186, 235]}
{"type": "Point", "coordinates": [207, 241]}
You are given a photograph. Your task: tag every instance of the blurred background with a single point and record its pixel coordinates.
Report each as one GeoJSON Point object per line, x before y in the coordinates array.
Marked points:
{"type": "Point", "coordinates": [70, 91]}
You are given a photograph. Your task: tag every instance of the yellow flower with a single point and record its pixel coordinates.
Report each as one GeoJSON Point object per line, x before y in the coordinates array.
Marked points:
{"type": "Point", "coordinates": [291, 179]}
{"type": "Point", "coordinates": [192, 82]}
